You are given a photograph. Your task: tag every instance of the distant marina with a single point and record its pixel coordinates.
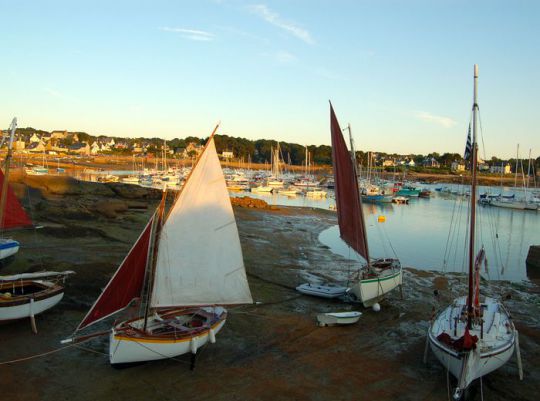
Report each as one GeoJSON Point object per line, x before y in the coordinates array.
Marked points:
{"type": "Point", "coordinates": [422, 222]}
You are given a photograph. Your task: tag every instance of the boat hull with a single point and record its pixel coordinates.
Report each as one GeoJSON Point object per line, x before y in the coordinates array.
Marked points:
{"type": "Point", "coordinates": [371, 290]}
{"type": "Point", "coordinates": [467, 367]}
{"type": "Point", "coordinates": [125, 348]}
{"type": "Point", "coordinates": [8, 247]}
{"type": "Point", "coordinates": [21, 307]}
{"type": "Point", "coordinates": [339, 318]}
{"type": "Point", "coordinates": [496, 341]}
{"type": "Point", "coordinates": [321, 290]}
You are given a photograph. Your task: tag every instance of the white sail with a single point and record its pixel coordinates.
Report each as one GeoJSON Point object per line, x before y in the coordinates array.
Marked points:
{"type": "Point", "coordinates": [199, 260]}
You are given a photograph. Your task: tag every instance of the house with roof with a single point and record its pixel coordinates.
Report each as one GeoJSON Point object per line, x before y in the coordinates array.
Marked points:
{"type": "Point", "coordinates": [500, 169]}
{"type": "Point", "coordinates": [36, 147]}
{"type": "Point", "coordinates": [431, 162]}
{"type": "Point", "coordinates": [457, 165]}
{"type": "Point", "coordinates": [81, 148]}
{"type": "Point", "coordinates": [59, 135]}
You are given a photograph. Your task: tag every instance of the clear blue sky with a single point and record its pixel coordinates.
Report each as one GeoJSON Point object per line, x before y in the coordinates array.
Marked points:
{"type": "Point", "coordinates": [399, 71]}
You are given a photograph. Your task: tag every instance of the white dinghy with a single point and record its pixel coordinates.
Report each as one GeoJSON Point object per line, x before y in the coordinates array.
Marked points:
{"type": "Point", "coordinates": [338, 318]}
{"type": "Point", "coordinates": [183, 268]}
{"type": "Point", "coordinates": [327, 290]}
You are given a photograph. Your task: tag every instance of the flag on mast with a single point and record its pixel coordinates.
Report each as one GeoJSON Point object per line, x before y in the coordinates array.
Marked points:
{"type": "Point", "coordinates": [468, 146]}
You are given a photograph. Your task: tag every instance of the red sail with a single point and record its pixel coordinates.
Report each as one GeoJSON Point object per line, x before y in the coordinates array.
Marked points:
{"type": "Point", "coordinates": [126, 284]}
{"type": "Point", "coordinates": [14, 215]}
{"type": "Point", "coordinates": [349, 207]}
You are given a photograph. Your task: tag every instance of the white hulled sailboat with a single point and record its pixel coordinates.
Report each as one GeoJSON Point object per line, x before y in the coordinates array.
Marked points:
{"type": "Point", "coordinates": [472, 338]}
{"type": "Point", "coordinates": [184, 268]}
{"type": "Point", "coordinates": [379, 276]}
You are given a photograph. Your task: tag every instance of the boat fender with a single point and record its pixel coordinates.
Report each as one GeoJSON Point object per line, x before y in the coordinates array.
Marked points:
{"type": "Point", "coordinates": [193, 345]}
{"type": "Point", "coordinates": [212, 336]}
{"type": "Point", "coordinates": [376, 307]}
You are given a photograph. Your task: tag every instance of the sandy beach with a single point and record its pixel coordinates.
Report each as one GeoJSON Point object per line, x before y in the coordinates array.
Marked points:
{"type": "Point", "coordinates": [272, 350]}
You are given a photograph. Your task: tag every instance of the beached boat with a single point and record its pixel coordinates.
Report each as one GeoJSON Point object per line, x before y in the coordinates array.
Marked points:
{"type": "Point", "coordinates": [338, 318]}
{"type": "Point", "coordinates": [373, 280]}
{"type": "Point", "coordinates": [471, 337]}
{"type": "Point", "coordinates": [12, 215]}
{"type": "Point", "coordinates": [28, 294]}
{"type": "Point", "coordinates": [327, 290]}
{"type": "Point", "coordinates": [185, 266]}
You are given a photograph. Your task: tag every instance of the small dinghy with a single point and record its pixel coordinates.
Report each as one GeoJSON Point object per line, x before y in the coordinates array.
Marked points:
{"type": "Point", "coordinates": [338, 318]}
{"type": "Point", "coordinates": [326, 290]}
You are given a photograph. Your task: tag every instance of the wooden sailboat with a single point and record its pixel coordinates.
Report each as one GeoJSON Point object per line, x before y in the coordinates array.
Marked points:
{"type": "Point", "coordinates": [22, 295]}
{"type": "Point", "coordinates": [472, 338]}
{"type": "Point", "coordinates": [181, 271]}
{"type": "Point", "coordinates": [12, 215]}
{"type": "Point", "coordinates": [379, 276]}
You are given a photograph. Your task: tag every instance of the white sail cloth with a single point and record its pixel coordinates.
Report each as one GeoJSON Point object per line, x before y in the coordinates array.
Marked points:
{"type": "Point", "coordinates": [199, 260]}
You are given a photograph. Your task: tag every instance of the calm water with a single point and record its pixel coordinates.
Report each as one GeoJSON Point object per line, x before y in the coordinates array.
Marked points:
{"type": "Point", "coordinates": [430, 234]}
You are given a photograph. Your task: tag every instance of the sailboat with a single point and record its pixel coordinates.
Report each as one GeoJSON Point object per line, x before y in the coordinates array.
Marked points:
{"type": "Point", "coordinates": [472, 338]}
{"type": "Point", "coordinates": [27, 294]}
{"type": "Point", "coordinates": [378, 276]}
{"type": "Point", "coordinates": [184, 267]}
{"type": "Point", "coordinates": [12, 215]}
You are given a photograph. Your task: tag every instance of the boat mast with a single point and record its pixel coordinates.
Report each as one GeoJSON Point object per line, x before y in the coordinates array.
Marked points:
{"type": "Point", "coordinates": [152, 255]}
{"type": "Point", "coordinates": [3, 200]}
{"type": "Point", "coordinates": [473, 202]}
{"type": "Point", "coordinates": [353, 159]}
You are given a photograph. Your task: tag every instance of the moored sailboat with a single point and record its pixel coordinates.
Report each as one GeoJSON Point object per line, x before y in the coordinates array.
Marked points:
{"type": "Point", "coordinates": [185, 266]}
{"type": "Point", "coordinates": [472, 338]}
{"type": "Point", "coordinates": [378, 276]}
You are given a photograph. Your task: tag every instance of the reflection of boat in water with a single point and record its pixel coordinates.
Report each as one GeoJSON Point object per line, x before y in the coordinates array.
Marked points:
{"type": "Point", "coordinates": [379, 198]}
{"type": "Point", "coordinates": [316, 194]}
{"type": "Point", "coordinates": [400, 200]}
{"type": "Point", "coordinates": [108, 178]}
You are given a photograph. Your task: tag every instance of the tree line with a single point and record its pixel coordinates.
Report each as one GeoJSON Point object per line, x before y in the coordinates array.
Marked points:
{"type": "Point", "coordinates": [260, 150]}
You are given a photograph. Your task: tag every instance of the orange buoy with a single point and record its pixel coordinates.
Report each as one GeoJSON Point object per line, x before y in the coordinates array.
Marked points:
{"type": "Point", "coordinates": [381, 219]}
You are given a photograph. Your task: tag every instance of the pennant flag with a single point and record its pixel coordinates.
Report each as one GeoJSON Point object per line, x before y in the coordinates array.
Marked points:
{"type": "Point", "coordinates": [468, 146]}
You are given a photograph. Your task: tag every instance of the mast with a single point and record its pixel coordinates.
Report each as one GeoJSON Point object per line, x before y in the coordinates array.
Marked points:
{"type": "Point", "coordinates": [473, 202]}
{"type": "Point", "coordinates": [353, 158]}
{"type": "Point", "coordinates": [4, 193]}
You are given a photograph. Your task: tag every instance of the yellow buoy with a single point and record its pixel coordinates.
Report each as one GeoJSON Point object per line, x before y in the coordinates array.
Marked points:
{"type": "Point", "coordinates": [382, 219]}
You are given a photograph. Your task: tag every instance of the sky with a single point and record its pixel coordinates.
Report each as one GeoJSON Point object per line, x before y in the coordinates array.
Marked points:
{"type": "Point", "coordinates": [399, 71]}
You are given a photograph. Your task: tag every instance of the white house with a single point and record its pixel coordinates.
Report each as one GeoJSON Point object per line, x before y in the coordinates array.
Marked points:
{"type": "Point", "coordinates": [500, 169]}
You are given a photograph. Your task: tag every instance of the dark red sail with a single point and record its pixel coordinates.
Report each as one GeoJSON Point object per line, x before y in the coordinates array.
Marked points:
{"type": "Point", "coordinates": [349, 206]}
{"type": "Point", "coordinates": [14, 215]}
{"type": "Point", "coordinates": [126, 284]}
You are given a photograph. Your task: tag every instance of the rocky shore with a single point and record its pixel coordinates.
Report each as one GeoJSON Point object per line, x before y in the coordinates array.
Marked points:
{"type": "Point", "coordinates": [271, 350]}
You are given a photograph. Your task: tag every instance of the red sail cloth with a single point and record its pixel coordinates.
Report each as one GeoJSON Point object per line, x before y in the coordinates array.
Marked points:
{"type": "Point", "coordinates": [348, 204]}
{"type": "Point", "coordinates": [126, 284]}
{"type": "Point", "coordinates": [14, 215]}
